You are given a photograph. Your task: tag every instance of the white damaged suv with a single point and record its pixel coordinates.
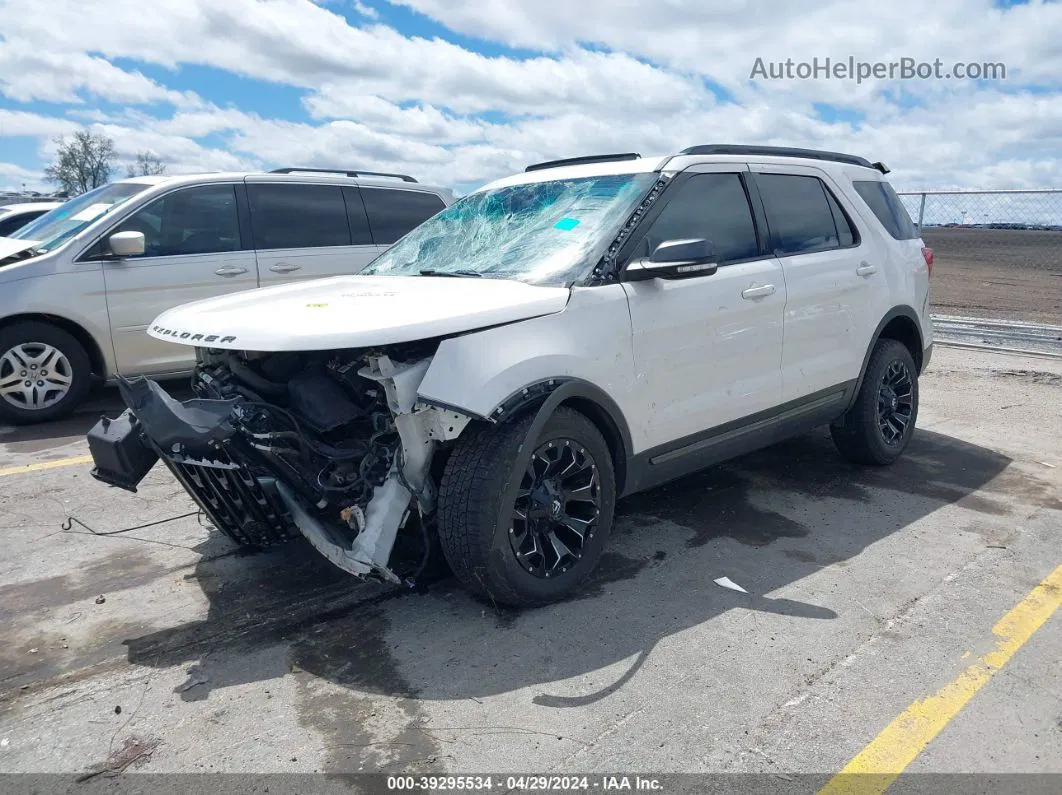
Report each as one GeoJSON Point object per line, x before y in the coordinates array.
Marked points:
{"type": "Point", "coordinates": [555, 340]}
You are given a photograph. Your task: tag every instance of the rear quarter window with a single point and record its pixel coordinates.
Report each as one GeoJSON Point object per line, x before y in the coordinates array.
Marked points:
{"type": "Point", "coordinates": [393, 213]}
{"type": "Point", "coordinates": [887, 207]}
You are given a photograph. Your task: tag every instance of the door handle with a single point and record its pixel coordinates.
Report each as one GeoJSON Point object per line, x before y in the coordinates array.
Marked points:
{"type": "Point", "coordinates": [230, 270]}
{"type": "Point", "coordinates": [757, 292]}
{"type": "Point", "coordinates": [866, 269]}
{"type": "Point", "coordinates": [284, 267]}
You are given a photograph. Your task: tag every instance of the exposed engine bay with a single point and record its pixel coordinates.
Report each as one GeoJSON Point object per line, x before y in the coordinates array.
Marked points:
{"type": "Point", "coordinates": [332, 445]}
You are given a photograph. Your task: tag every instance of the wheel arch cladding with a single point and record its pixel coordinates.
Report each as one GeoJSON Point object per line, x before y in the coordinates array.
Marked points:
{"type": "Point", "coordinates": [902, 326]}
{"type": "Point", "coordinates": [78, 332]}
{"type": "Point", "coordinates": [545, 397]}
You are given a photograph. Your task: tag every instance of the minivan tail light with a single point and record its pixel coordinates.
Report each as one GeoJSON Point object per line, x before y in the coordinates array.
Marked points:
{"type": "Point", "coordinates": [927, 255]}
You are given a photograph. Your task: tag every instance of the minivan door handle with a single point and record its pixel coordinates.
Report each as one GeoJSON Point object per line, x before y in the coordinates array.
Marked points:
{"type": "Point", "coordinates": [866, 269]}
{"type": "Point", "coordinates": [230, 270]}
{"type": "Point", "coordinates": [284, 267]}
{"type": "Point", "coordinates": [757, 292]}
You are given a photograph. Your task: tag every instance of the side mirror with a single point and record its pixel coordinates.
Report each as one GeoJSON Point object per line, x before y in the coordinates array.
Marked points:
{"type": "Point", "coordinates": [675, 259]}
{"type": "Point", "coordinates": [126, 244]}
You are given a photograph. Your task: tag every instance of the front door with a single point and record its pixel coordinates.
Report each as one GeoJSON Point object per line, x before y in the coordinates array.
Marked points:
{"type": "Point", "coordinates": [707, 349]}
{"type": "Point", "coordinates": [193, 250]}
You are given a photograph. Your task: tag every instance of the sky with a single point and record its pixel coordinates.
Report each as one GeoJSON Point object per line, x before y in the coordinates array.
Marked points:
{"type": "Point", "coordinates": [458, 93]}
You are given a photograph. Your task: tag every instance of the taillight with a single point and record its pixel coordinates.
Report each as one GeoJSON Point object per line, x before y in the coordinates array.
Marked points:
{"type": "Point", "coordinates": [927, 255]}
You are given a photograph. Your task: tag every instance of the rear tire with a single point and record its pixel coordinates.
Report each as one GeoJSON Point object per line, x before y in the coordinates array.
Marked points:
{"type": "Point", "coordinates": [566, 496]}
{"type": "Point", "coordinates": [878, 428]}
{"type": "Point", "coordinates": [52, 362]}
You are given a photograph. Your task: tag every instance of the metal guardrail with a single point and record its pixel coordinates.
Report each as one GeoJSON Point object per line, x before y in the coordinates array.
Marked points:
{"type": "Point", "coordinates": [1037, 339]}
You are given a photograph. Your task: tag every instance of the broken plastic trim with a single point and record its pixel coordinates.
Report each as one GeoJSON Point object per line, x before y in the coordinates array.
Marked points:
{"type": "Point", "coordinates": [197, 424]}
{"type": "Point", "coordinates": [372, 548]}
{"type": "Point", "coordinates": [420, 428]}
{"type": "Point", "coordinates": [607, 268]}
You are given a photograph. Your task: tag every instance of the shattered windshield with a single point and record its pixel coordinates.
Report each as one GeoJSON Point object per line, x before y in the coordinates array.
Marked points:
{"type": "Point", "coordinates": [540, 233]}
{"type": "Point", "coordinates": [57, 226]}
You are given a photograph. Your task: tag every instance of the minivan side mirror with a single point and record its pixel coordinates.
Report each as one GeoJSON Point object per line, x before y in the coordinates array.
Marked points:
{"type": "Point", "coordinates": [675, 259]}
{"type": "Point", "coordinates": [126, 244]}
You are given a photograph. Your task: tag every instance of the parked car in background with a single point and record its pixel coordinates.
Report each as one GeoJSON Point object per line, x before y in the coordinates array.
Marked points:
{"type": "Point", "coordinates": [15, 216]}
{"type": "Point", "coordinates": [80, 284]}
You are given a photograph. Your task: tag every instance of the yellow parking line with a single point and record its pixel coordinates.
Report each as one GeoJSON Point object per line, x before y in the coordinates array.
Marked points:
{"type": "Point", "coordinates": [874, 768]}
{"type": "Point", "coordinates": [62, 462]}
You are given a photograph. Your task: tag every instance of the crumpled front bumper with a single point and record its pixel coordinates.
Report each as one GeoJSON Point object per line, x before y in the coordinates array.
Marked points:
{"type": "Point", "coordinates": [186, 437]}
{"type": "Point", "coordinates": [246, 497]}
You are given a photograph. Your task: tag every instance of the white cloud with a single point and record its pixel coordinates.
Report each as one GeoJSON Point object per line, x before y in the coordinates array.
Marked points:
{"type": "Point", "coordinates": [365, 10]}
{"type": "Point", "coordinates": [20, 122]}
{"type": "Point", "coordinates": [29, 73]}
{"type": "Point", "coordinates": [13, 178]}
{"type": "Point", "coordinates": [375, 98]}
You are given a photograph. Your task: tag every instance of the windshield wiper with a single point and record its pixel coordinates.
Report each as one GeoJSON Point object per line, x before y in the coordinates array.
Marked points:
{"type": "Point", "coordinates": [433, 272]}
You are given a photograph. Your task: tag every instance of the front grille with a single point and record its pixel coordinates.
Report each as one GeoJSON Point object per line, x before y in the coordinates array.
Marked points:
{"type": "Point", "coordinates": [233, 500]}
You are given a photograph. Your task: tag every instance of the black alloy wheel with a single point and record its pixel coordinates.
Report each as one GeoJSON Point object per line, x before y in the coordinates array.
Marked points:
{"type": "Point", "coordinates": [556, 508]}
{"type": "Point", "coordinates": [895, 402]}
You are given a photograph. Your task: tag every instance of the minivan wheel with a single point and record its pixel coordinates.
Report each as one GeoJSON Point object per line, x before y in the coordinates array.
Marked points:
{"type": "Point", "coordinates": [525, 535]}
{"type": "Point", "coordinates": [878, 427]}
{"type": "Point", "coordinates": [44, 373]}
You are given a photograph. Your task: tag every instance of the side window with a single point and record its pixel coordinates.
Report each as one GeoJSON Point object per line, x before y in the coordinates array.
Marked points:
{"type": "Point", "coordinates": [392, 213]}
{"type": "Point", "coordinates": [886, 205]}
{"type": "Point", "coordinates": [297, 216]}
{"type": "Point", "coordinates": [846, 233]}
{"type": "Point", "coordinates": [200, 220]}
{"type": "Point", "coordinates": [9, 225]}
{"type": "Point", "coordinates": [802, 214]}
{"type": "Point", "coordinates": [710, 206]}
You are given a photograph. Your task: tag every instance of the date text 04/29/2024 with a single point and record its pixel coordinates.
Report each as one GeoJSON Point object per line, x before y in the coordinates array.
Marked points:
{"type": "Point", "coordinates": [522, 783]}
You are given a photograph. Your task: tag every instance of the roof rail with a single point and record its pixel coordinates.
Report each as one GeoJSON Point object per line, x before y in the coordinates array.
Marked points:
{"type": "Point", "coordinates": [403, 177]}
{"type": "Point", "coordinates": [783, 151]}
{"type": "Point", "coordinates": [578, 161]}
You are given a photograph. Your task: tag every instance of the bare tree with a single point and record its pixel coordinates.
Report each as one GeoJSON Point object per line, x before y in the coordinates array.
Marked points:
{"type": "Point", "coordinates": [146, 164]}
{"type": "Point", "coordinates": [82, 164]}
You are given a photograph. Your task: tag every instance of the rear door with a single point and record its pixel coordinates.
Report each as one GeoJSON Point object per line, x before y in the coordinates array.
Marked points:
{"type": "Point", "coordinates": [392, 212]}
{"type": "Point", "coordinates": [828, 271]}
{"type": "Point", "coordinates": [708, 349]}
{"type": "Point", "coordinates": [193, 250]}
{"type": "Point", "coordinates": [308, 230]}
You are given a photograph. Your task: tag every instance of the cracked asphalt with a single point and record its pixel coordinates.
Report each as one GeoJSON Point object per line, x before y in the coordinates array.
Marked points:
{"type": "Point", "coordinates": [165, 650]}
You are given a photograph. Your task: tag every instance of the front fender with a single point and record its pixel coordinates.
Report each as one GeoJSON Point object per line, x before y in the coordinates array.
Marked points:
{"type": "Point", "coordinates": [586, 349]}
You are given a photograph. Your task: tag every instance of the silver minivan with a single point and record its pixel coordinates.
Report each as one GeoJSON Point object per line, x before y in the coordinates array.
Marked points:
{"type": "Point", "coordinates": [79, 285]}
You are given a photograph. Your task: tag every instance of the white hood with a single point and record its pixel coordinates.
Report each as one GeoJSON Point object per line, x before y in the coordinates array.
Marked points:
{"type": "Point", "coordinates": [353, 312]}
{"type": "Point", "coordinates": [9, 246]}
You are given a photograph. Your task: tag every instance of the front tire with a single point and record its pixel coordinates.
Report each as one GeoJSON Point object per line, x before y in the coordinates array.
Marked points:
{"type": "Point", "coordinates": [878, 428]}
{"type": "Point", "coordinates": [44, 373]}
{"type": "Point", "coordinates": [528, 537]}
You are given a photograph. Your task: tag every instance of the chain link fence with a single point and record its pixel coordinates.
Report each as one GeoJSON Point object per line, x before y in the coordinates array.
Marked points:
{"type": "Point", "coordinates": [997, 254]}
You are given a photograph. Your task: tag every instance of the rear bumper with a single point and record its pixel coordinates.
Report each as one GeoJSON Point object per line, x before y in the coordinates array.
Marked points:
{"type": "Point", "coordinates": [927, 355]}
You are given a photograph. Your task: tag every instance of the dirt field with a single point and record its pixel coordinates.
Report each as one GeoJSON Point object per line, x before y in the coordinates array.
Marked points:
{"type": "Point", "coordinates": [997, 273]}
